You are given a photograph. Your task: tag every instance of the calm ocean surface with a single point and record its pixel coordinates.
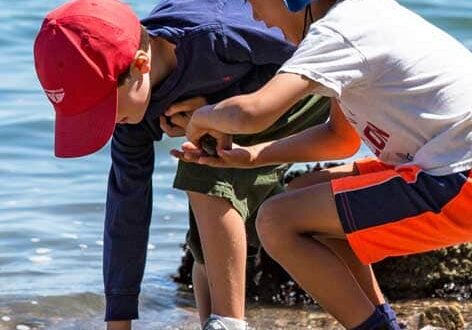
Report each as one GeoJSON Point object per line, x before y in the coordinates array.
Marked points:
{"type": "Point", "coordinates": [51, 210]}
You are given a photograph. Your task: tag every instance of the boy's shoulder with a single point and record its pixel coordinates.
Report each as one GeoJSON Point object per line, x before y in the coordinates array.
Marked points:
{"type": "Point", "coordinates": [180, 18]}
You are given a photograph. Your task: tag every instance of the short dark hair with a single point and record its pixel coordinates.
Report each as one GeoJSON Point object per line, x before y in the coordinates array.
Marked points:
{"type": "Point", "coordinates": [144, 46]}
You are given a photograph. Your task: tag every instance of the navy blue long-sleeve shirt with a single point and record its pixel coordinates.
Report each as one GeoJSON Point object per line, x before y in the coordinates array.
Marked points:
{"type": "Point", "coordinates": [221, 52]}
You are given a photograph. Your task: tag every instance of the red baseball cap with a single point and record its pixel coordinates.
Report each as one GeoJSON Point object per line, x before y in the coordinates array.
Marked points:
{"type": "Point", "coordinates": [80, 50]}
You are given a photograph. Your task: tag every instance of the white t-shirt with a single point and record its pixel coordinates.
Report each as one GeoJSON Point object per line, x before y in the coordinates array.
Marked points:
{"type": "Point", "coordinates": [403, 83]}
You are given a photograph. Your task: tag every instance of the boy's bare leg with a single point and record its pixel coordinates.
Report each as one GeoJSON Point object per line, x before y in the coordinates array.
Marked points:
{"type": "Point", "coordinates": [119, 325]}
{"type": "Point", "coordinates": [363, 274]}
{"type": "Point", "coordinates": [201, 291]}
{"type": "Point", "coordinates": [286, 224]}
{"type": "Point", "coordinates": [223, 239]}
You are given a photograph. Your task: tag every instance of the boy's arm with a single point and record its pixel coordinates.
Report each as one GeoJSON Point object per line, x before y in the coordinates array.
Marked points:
{"type": "Point", "coordinates": [335, 139]}
{"type": "Point", "coordinates": [128, 215]}
{"type": "Point", "coordinates": [251, 113]}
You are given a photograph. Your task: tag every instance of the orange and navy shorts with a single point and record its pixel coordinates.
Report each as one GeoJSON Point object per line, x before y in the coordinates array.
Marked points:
{"type": "Point", "coordinates": [387, 211]}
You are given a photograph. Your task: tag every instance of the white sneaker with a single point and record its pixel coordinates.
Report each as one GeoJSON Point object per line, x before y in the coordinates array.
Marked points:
{"type": "Point", "coordinates": [216, 322]}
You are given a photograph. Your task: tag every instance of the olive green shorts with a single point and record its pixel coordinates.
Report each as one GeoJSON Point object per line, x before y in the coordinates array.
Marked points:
{"type": "Point", "coordinates": [246, 189]}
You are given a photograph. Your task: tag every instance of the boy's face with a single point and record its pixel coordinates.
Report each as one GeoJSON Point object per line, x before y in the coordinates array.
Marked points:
{"type": "Point", "coordinates": [135, 93]}
{"type": "Point", "coordinates": [275, 14]}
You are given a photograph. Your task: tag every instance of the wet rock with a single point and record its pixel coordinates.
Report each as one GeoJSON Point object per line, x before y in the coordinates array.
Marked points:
{"type": "Point", "coordinates": [442, 317]}
{"type": "Point", "coordinates": [444, 273]}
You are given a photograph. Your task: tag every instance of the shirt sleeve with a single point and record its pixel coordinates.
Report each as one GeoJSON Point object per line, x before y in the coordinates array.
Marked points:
{"type": "Point", "coordinates": [327, 57]}
{"type": "Point", "coordinates": [128, 215]}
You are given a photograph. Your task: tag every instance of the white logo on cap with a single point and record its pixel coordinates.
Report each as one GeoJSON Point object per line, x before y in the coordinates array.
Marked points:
{"type": "Point", "coordinates": [55, 95]}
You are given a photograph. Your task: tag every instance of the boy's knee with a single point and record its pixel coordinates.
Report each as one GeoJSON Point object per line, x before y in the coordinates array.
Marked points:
{"type": "Point", "coordinates": [268, 225]}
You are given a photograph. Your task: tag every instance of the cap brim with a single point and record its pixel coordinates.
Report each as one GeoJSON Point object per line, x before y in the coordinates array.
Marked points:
{"type": "Point", "coordinates": [88, 132]}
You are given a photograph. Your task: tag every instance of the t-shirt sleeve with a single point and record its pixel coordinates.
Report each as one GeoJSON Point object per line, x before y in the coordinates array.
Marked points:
{"type": "Point", "coordinates": [327, 57]}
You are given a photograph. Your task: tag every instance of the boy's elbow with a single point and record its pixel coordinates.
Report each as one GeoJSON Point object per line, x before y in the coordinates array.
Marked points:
{"type": "Point", "coordinates": [351, 145]}
{"type": "Point", "coordinates": [346, 139]}
{"type": "Point", "coordinates": [355, 145]}
{"type": "Point", "coordinates": [345, 144]}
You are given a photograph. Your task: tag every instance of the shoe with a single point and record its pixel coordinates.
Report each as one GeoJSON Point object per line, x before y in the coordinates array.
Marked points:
{"type": "Point", "coordinates": [216, 323]}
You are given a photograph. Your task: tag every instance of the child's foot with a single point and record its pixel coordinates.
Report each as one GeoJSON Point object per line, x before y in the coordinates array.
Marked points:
{"type": "Point", "coordinates": [377, 321]}
{"type": "Point", "coordinates": [387, 310]}
{"type": "Point", "coordinates": [216, 322]}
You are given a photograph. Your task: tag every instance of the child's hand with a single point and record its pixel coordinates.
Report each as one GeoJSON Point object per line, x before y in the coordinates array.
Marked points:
{"type": "Point", "coordinates": [174, 126]}
{"type": "Point", "coordinates": [195, 130]}
{"type": "Point", "coordinates": [237, 157]}
{"type": "Point", "coordinates": [177, 117]}
{"type": "Point", "coordinates": [198, 128]}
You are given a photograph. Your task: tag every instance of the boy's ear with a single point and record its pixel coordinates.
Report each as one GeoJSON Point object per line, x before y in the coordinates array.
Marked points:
{"type": "Point", "coordinates": [141, 63]}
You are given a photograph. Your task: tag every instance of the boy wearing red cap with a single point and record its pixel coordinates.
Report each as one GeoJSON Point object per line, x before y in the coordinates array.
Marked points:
{"type": "Point", "coordinates": [404, 87]}
{"type": "Point", "coordinates": [99, 67]}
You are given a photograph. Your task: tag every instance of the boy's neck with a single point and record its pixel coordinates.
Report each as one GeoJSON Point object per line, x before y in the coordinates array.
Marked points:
{"type": "Point", "coordinates": [320, 8]}
{"type": "Point", "coordinates": [163, 60]}
{"type": "Point", "coordinates": [318, 11]}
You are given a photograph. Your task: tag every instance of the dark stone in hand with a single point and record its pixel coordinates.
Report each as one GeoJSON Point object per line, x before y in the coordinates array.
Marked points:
{"type": "Point", "coordinates": [209, 144]}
